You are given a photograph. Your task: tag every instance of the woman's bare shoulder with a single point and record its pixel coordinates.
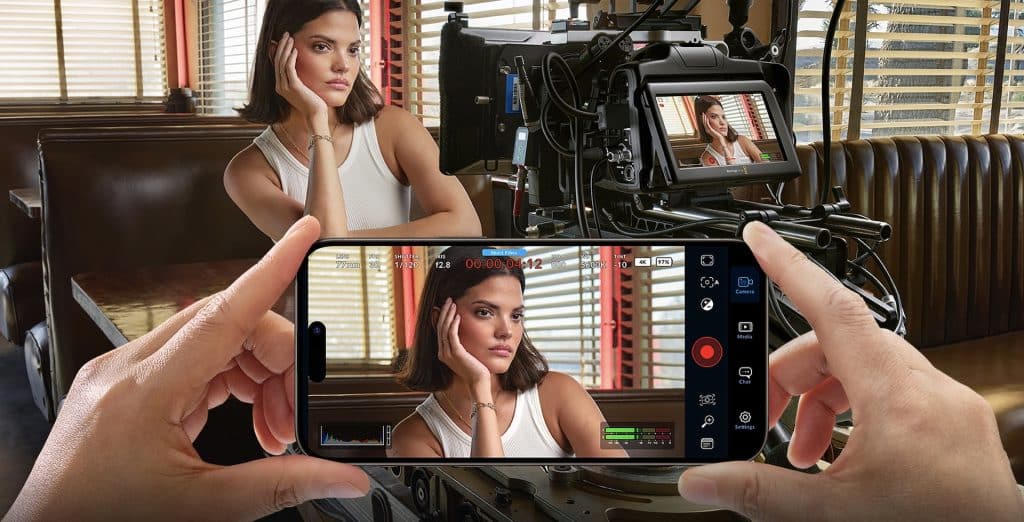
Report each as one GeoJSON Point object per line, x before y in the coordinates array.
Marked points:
{"type": "Point", "coordinates": [249, 166]}
{"type": "Point", "coordinates": [413, 432]}
{"type": "Point", "coordinates": [555, 384]}
{"type": "Point", "coordinates": [392, 115]}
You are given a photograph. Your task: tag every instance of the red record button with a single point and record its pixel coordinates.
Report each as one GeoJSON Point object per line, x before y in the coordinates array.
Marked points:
{"type": "Point", "coordinates": [707, 352]}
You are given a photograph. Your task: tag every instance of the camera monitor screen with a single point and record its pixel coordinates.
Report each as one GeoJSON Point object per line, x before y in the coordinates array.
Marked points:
{"type": "Point", "coordinates": [716, 130]}
{"type": "Point", "coordinates": [531, 351]}
{"type": "Point", "coordinates": [728, 138]}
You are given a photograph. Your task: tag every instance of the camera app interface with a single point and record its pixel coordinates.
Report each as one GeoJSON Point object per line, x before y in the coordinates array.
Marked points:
{"type": "Point", "coordinates": [650, 352]}
{"type": "Point", "coordinates": [719, 130]}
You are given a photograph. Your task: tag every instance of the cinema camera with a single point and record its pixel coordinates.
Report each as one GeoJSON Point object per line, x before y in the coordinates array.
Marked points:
{"type": "Point", "coordinates": [600, 126]}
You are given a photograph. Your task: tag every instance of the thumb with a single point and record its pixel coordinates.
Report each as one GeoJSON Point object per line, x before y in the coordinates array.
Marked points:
{"type": "Point", "coordinates": [758, 491]}
{"type": "Point", "coordinates": [258, 488]}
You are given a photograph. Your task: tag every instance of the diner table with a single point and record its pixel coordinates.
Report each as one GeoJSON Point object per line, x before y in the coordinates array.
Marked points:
{"type": "Point", "coordinates": [128, 304]}
{"type": "Point", "coordinates": [28, 200]}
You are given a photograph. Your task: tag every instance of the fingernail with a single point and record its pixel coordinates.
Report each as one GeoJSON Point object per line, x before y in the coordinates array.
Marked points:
{"type": "Point", "coordinates": [698, 489]}
{"type": "Point", "coordinates": [345, 490]}
{"type": "Point", "coordinates": [297, 225]}
{"type": "Point", "coordinates": [753, 232]}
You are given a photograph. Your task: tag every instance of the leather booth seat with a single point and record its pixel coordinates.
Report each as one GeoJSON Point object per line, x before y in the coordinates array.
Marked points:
{"type": "Point", "coordinates": [37, 362]}
{"type": "Point", "coordinates": [128, 197]}
{"type": "Point", "coordinates": [956, 205]}
{"type": "Point", "coordinates": [21, 284]}
{"type": "Point", "coordinates": [21, 299]}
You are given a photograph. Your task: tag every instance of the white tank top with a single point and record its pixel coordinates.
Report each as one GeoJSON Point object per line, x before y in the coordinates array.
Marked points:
{"type": "Point", "coordinates": [374, 198]}
{"type": "Point", "coordinates": [527, 434]}
{"type": "Point", "coordinates": [737, 152]}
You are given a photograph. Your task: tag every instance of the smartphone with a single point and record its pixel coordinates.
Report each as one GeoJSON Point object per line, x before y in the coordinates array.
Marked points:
{"type": "Point", "coordinates": [607, 351]}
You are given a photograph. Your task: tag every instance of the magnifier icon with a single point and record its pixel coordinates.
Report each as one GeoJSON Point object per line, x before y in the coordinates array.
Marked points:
{"type": "Point", "coordinates": [708, 420]}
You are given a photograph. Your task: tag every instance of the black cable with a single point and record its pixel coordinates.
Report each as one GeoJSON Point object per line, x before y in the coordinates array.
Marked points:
{"type": "Point", "coordinates": [593, 197]}
{"type": "Point", "coordinates": [826, 102]}
{"type": "Point", "coordinates": [660, 233]}
{"type": "Point", "coordinates": [892, 283]}
{"type": "Point", "coordinates": [577, 181]}
{"type": "Point", "coordinates": [549, 82]}
{"type": "Point", "coordinates": [548, 135]}
{"type": "Point", "coordinates": [871, 277]}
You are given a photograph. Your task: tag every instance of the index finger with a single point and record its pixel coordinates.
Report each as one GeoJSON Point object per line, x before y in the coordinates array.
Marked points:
{"type": "Point", "coordinates": [201, 349]}
{"type": "Point", "coordinates": [850, 339]}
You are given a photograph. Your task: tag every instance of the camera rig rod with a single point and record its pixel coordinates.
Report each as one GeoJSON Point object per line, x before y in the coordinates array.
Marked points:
{"type": "Point", "coordinates": [841, 224]}
{"type": "Point", "coordinates": [802, 236]}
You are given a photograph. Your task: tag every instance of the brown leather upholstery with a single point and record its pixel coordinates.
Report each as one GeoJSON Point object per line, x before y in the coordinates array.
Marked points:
{"type": "Point", "coordinates": [121, 198]}
{"type": "Point", "coordinates": [37, 364]}
{"type": "Point", "coordinates": [956, 205]}
{"type": "Point", "coordinates": [19, 168]}
{"type": "Point", "coordinates": [21, 299]}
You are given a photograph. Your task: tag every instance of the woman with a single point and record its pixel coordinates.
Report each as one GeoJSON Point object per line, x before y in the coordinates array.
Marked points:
{"type": "Point", "coordinates": [320, 107]}
{"type": "Point", "coordinates": [492, 394]}
{"type": "Point", "coordinates": [725, 146]}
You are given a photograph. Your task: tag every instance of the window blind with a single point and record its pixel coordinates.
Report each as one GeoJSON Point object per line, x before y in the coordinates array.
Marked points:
{"type": "Point", "coordinates": [356, 304]}
{"type": "Point", "coordinates": [1011, 114]}
{"type": "Point", "coordinates": [928, 68]}
{"type": "Point", "coordinates": [660, 322]}
{"type": "Point", "coordinates": [228, 30]}
{"type": "Point", "coordinates": [421, 41]}
{"type": "Point", "coordinates": [96, 50]}
{"type": "Point", "coordinates": [810, 42]}
{"type": "Point", "coordinates": [562, 310]}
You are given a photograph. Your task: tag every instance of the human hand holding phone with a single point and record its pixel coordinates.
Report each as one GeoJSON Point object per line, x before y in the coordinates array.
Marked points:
{"type": "Point", "coordinates": [923, 447]}
{"type": "Point", "coordinates": [122, 443]}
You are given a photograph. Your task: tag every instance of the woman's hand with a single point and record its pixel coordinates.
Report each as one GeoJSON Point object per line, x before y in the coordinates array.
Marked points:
{"type": "Point", "coordinates": [289, 86]}
{"type": "Point", "coordinates": [451, 352]}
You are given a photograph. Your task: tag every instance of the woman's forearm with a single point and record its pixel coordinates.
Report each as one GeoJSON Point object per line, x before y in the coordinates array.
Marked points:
{"type": "Point", "coordinates": [325, 199]}
{"type": "Point", "coordinates": [441, 224]}
{"type": "Point", "coordinates": [486, 439]}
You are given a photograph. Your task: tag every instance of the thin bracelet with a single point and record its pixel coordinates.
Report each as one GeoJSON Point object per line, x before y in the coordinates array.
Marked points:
{"type": "Point", "coordinates": [326, 137]}
{"type": "Point", "coordinates": [478, 405]}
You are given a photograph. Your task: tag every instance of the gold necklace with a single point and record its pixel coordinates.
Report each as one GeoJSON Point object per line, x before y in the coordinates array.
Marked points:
{"type": "Point", "coordinates": [456, 410]}
{"type": "Point", "coordinates": [288, 136]}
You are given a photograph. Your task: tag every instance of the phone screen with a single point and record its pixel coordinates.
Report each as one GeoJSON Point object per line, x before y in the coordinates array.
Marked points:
{"type": "Point", "coordinates": [597, 351]}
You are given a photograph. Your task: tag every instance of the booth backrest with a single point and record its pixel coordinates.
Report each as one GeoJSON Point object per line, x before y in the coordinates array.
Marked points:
{"type": "Point", "coordinates": [956, 205]}
{"type": "Point", "coordinates": [19, 164]}
{"type": "Point", "coordinates": [128, 197]}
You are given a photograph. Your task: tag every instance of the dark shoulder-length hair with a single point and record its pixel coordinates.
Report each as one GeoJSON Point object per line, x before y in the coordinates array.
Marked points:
{"type": "Point", "coordinates": [701, 105]}
{"type": "Point", "coordinates": [265, 104]}
{"type": "Point", "coordinates": [421, 369]}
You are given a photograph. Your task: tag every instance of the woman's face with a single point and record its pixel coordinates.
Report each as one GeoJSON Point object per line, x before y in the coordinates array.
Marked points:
{"type": "Point", "coordinates": [716, 119]}
{"type": "Point", "coordinates": [491, 326]}
{"type": "Point", "coordinates": [329, 55]}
